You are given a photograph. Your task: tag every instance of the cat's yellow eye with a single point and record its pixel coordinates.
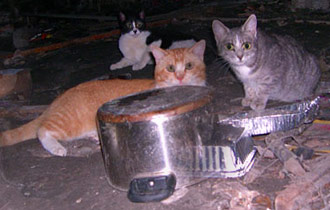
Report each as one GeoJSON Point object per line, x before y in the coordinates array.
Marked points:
{"type": "Point", "coordinates": [170, 68]}
{"type": "Point", "coordinates": [247, 45]}
{"type": "Point", "coordinates": [139, 25]}
{"type": "Point", "coordinates": [189, 66]}
{"type": "Point", "coordinates": [230, 46]}
{"type": "Point", "coordinates": [129, 25]}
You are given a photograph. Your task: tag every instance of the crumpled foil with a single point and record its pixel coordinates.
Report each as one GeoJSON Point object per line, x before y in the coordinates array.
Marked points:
{"type": "Point", "coordinates": [280, 118]}
{"type": "Point", "coordinates": [224, 161]}
{"type": "Point", "coordinates": [230, 155]}
{"type": "Point", "coordinates": [235, 159]}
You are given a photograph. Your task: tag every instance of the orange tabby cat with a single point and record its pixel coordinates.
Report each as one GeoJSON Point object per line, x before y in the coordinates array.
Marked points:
{"type": "Point", "coordinates": [72, 114]}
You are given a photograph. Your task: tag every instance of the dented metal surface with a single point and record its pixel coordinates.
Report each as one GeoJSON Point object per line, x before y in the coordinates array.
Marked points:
{"type": "Point", "coordinates": [279, 118]}
{"type": "Point", "coordinates": [230, 155]}
{"type": "Point", "coordinates": [158, 134]}
{"type": "Point", "coordinates": [170, 138]}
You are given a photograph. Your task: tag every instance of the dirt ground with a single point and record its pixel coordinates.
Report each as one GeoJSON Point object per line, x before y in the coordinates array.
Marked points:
{"type": "Point", "coordinates": [33, 179]}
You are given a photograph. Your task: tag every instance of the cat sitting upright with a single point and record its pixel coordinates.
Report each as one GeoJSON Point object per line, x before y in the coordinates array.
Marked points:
{"type": "Point", "coordinates": [72, 115]}
{"type": "Point", "coordinates": [269, 66]}
{"type": "Point", "coordinates": [135, 40]}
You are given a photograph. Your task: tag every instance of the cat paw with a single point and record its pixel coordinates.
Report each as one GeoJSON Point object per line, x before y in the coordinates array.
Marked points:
{"type": "Point", "coordinates": [114, 67]}
{"type": "Point", "coordinates": [138, 66]}
{"type": "Point", "coordinates": [246, 102]}
{"type": "Point", "coordinates": [58, 151]}
{"type": "Point", "coordinates": [258, 105]}
{"type": "Point", "coordinates": [53, 146]}
{"type": "Point", "coordinates": [94, 137]}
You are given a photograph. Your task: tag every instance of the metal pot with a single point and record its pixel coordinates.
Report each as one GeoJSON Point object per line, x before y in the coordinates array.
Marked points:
{"type": "Point", "coordinates": [163, 139]}
{"type": "Point", "coordinates": [147, 138]}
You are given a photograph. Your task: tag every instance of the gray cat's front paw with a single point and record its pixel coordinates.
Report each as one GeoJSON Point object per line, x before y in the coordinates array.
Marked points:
{"type": "Point", "coordinates": [246, 101]}
{"type": "Point", "coordinates": [258, 105]}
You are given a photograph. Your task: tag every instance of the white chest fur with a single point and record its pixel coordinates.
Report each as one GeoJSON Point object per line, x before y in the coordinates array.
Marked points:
{"type": "Point", "coordinates": [133, 47]}
{"type": "Point", "coordinates": [242, 72]}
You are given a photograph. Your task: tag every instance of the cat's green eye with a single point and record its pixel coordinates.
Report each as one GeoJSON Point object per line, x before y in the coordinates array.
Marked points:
{"type": "Point", "coordinates": [129, 25]}
{"type": "Point", "coordinates": [230, 46]}
{"type": "Point", "coordinates": [170, 68]}
{"type": "Point", "coordinates": [247, 45]}
{"type": "Point", "coordinates": [189, 66]}
{"type": "Point", "coordinates": [139, 25]}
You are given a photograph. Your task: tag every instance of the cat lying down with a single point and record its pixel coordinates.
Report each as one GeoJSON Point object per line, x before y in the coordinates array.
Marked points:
{"type": "Point", "coordinates": [72, 115]}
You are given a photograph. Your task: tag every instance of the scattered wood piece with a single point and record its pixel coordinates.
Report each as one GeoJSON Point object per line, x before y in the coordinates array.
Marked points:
{"type": "Point", "coordinates": [256, 171]}
{"type": "Point", "coordinates": [224, 19]}
{"type": "Point", "coordinates": [79, 40]}
{"type": "Point", "coordinates": [81, 17]}
{"type": "Point", "coordinates": [67, 43]}
{"type": "Point", "coordinates": [294, 166]}
{"type": "Point", "coordinates": [240, 196]}
{"type": "Point", "coordinates": [263, 201]}
{"type": "Point", "coordinates": [302, 191]}
{"type": "Point", "coordinates": [265, 152]}
{"type": "Point", "coordinates": [22, 112]}
{"type": "Point", "coordinates": [316, 143]}
{"type": "Point", "coordinates": [259, 137]}
{"type": "Point", "coordinates": [323, 122]}
{"type": "Point", "coordinates": [313, 21]}
{"type": "Point", "coordinates": [275, 142]}
{"type": "Point", "coordinates": [17, 81]}
{"type": "Point", "coordinates": [262, 20]}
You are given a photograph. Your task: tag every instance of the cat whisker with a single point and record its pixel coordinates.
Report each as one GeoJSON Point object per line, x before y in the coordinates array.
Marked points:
{"type": "Point", "coordinates": [221, 64]}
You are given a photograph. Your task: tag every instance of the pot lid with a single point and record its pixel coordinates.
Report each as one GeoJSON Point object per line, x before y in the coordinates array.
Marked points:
{"type": "Point", "coordinates": [148, 104]}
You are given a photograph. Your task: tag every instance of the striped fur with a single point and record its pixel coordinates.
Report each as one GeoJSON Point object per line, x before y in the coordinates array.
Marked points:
{"type": "Point", "coordinates": [72, 115]}
{"type": "Point", "coordinates": [271, 67]}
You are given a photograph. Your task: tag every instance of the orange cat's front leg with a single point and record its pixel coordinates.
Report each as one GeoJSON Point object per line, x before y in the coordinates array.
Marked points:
{"type": "Point", "coordinates": [49, 142]}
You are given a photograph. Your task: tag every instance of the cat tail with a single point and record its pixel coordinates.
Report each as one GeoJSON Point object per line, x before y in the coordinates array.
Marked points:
{"type": "Point", "coordinates": [20, 134]}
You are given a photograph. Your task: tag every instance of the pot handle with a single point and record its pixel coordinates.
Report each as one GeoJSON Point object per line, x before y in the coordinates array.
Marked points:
{"type": "Point", "coordinates": [151, 189]}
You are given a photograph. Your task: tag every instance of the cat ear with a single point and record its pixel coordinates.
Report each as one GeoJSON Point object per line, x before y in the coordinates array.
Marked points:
{"type": "Point", "coordinates": [219, 30]}
{"type": "Point", "coordinates": [122, 17]}
{"type": "Point", "coordinates": [198, 49]}
{"type": "Point", "coordinates": [250, 25]}
{"type": "Point", "coordinates": [157, 52]}
{"type": "Point", "coordinates": [142, 15]}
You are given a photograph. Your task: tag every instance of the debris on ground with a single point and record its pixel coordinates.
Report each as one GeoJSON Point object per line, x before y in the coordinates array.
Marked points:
{"type": "Point", "coordinates": [292, 168]}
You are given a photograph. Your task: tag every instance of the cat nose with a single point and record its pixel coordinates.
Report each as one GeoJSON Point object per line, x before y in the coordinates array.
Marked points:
{"type": "Point", "coordinates": [179, 76]}
{"type": "Point", "coordinates": [240, 57]}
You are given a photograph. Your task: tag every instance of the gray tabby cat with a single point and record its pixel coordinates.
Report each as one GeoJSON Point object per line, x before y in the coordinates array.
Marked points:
{"type": "Point", "coordinates": [271, 67]}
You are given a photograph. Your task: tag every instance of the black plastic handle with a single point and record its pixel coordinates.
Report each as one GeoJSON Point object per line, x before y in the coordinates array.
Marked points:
{"type": "Point", "coordinates": [151, 189]}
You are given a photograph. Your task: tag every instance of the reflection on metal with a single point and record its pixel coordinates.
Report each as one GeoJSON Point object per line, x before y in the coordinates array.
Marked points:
{"type": "Point", "coordinates": [159, 120]}
{"type": "Point", "coordinates": [222, 161]}
{"type": "Point", "coordinates": [154, 134]}
{"type": "Point", "coordinates": [280, 118]}
{"type": "Point", "coordinates": [171, 131]}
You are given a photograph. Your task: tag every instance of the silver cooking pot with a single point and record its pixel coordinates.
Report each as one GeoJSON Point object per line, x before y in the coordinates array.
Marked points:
{"type": "Point", "coordinates": [163, 139]}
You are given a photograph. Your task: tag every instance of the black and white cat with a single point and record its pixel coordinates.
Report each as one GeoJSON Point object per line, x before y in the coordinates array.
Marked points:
{"type": "Point", "coordinates": [135, 40]}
